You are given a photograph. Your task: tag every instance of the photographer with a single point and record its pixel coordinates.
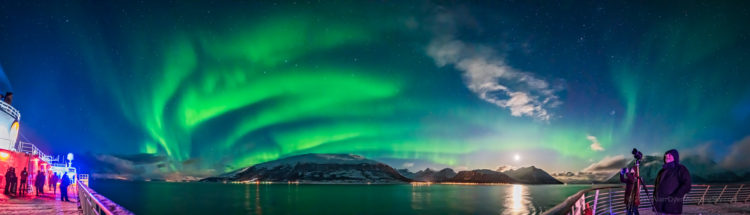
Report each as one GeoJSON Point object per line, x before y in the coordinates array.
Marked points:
{"type": "Point", "coordinates": [672, 183]}
{"type": "Point", "coordinates": [627, 176]}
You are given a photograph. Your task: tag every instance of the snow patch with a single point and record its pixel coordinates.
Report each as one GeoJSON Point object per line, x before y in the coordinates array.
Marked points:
{"type": "Point", "coordinates": [316, 159]}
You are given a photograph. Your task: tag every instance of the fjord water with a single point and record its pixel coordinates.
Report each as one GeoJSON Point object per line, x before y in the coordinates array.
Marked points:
{"type": "Point", "coordinates": [218, 198]}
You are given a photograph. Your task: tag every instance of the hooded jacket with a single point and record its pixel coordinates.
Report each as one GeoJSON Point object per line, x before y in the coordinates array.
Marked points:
{"type": "Point", "coordinates": [672, 183]}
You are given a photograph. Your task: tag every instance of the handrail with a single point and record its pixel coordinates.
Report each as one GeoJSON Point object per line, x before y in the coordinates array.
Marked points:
{"type": "Point", "coordinates": [91, 204]}
{"type": "Point", "coordinates": [30, 148]}
{"type": "Point", "coordinates": [612, 200]}
{"type": "Point", "coordinates": [10, 110]}
{"type": "Point", "coordinates": [566, 206]}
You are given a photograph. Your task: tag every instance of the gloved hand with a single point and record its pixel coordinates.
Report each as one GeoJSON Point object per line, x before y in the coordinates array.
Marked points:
{"type": "Point", "coordinates": [623, 171]}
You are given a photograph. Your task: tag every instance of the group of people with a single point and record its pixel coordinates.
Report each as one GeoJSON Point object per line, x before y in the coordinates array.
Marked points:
{"type": "Point", "coordinates": [12, 183]}
{"type": "Point", "coordinates": [672, 184]}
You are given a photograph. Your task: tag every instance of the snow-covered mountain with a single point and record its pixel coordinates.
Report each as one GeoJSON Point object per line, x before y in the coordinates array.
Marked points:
{"type": "Point", "coordinates": [531, 175]}
{"type": "Point", "coordinates": [406, 173]}
{"type": "Point", "coordinates": [430, 175]}
{"type": "Point", "coordinates": [482, 176]}
{"type": "Point", "coordinates": [317, 168]}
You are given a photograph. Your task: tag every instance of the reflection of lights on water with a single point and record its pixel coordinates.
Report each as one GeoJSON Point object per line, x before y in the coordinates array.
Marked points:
{"type": "Point", "coordinates": [421, 183]}
{"type": "Point", "coordinates": [247, 197]}
{"type": "Point", "coordinates": [515, 203]}
{"type": "Point", "coordinates": [421, 195]}
{"type": "Point", "coordinates": [517, 196]}
{"type": "Point", "coordinates": [258, 209]}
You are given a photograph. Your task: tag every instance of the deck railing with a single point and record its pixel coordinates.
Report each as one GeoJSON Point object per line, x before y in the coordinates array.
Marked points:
{"type": "Point", "coordinates": [610, 199]}
{"type": "Point", "coordinates": [30, 148]}
{"type": "Point", "coordinates": [10, 110]}
{"type": "Point", "coordinates": [93, 203]}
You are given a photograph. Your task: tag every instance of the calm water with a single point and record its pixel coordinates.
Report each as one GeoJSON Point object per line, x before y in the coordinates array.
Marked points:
{"type": "Point", "coordinates": [217, 198]}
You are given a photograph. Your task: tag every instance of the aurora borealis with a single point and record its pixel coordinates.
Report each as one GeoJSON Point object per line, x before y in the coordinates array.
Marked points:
{"type": "Point", "coordinates": [222, 85]}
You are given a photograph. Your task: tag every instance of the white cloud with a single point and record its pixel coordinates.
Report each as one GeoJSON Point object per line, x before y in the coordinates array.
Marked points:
{"type": "Point", "coordinates": [141, 167]}
{"type": "Point", "coordinates": [604, 169]}
{"type": "Point", "coordinates": [491, 79]}
{"type": "Point", "coordinates": [738, 158]}
{"type": "Point", "coordinates": [462, 168]}
{"type": "Point", "coordinates": [408, 165]}
{"type": "Point", "coordinates": [595, 145]}
{"type": "Point", "coordinates": [504, 168]}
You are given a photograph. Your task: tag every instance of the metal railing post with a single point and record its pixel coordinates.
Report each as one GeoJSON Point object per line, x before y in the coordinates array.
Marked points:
{"type": "Point", "coordinates": [734, 199]}
{"type": "Point", "coordinates": [92, 205]}
{"type": "Point", "coordinates": [610, 200]}
{"type": "Point", "coordinates": [720, 194]}
{"type": "Point", "coordinates": [596, 199]}
{"type": "Point", "coordinates": [703, 197]}
{"type": "Point", "coordinates": [573, 205]}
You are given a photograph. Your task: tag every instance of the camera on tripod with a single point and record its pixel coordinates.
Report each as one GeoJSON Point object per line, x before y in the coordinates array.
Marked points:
{"type": "Point", "coordinates": [637, 154]}
{"type": "Point", "coordinates": [635, 183]}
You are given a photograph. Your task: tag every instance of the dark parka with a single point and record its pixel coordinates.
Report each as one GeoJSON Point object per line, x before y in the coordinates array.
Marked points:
{"type": "Point", "coordinates": [630, 180]}
{"type": "Point", "coordinates": [672, 183]}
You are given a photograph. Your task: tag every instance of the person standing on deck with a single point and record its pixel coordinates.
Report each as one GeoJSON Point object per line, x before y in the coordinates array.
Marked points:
{"type": "Point", "coordinates": [64, 187]}
{"type": "Point", "coordinates": [672, 183]}
{"type": "Point", "coordinates": [39, 182]}
{"type": "Point", "coordinates": [13, 181]}
{"type": "Point", "coordinates": [627, 176]}
{"type": "Point", "coordinates": [7, 181]}
{"type": "Point", "coordinates": [24, 188]}
{"type": "Point", "coordinates": [53, 182]}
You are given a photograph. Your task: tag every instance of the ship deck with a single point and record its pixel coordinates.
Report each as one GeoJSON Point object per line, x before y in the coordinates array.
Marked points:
{"type": "Point", "coordinates": [43, 204]}
{"type": "Point", "coordinates": [720, 208]}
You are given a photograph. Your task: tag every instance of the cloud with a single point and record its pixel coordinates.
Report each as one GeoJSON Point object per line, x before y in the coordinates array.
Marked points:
{"type": "Point", "coordinates": [604, 169]}
{"type": "Point", "coordinates": [738, 158]}
{"type": "Point", "coordinates": [702, 152]}
{"type": "Point", "coordinates": [599, 171]}
{"type": "Point", "coordinates": [595, 145]}
{"type": "Point", "coordinates": [140, 167]}
{"type": "Point", "coordinates": [408, 165]}
{"type": "Point", "coordinates": [608, 164]}
{"type": "Point", "coordinates": [504, 168]}
{"type": "Point", "coordinates": [461, 168]}
{"type": "Point", "coordinates": [491, 79]}
{"type": "Point", "coordinates": [143, 158]}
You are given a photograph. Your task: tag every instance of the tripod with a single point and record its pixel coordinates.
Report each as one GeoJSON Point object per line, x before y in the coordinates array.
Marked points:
{"type": "Point", "coordinates": [634, 190]}
{"type": "Point", "coordinates": [653, 209]}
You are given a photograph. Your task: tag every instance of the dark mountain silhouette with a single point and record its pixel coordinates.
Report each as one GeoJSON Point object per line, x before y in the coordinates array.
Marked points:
{"type": "Point", "coordinates": [481, 176]}
{"type": "Point", "coordinates": [406, 173]}
{"type": "Point", "coordinates": [531, 175]}
{"type": "Point", "coordinates": [429, 175]}
{"type": "Point", "coordinates": [317, 168]}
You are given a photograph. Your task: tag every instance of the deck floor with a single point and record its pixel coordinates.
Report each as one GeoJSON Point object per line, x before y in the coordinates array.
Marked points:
{"type": "Point", "coordinates": [43, 204]}
{"type": "Point", "coordinates": [721, 208]}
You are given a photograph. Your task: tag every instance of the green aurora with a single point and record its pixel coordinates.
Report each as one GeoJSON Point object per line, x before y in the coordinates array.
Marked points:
{"type": "Point", "coordinates": [242, 83]}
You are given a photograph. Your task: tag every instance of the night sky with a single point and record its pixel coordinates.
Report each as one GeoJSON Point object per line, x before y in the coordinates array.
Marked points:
{"type": "Point", "coordinates": [416, 84]}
